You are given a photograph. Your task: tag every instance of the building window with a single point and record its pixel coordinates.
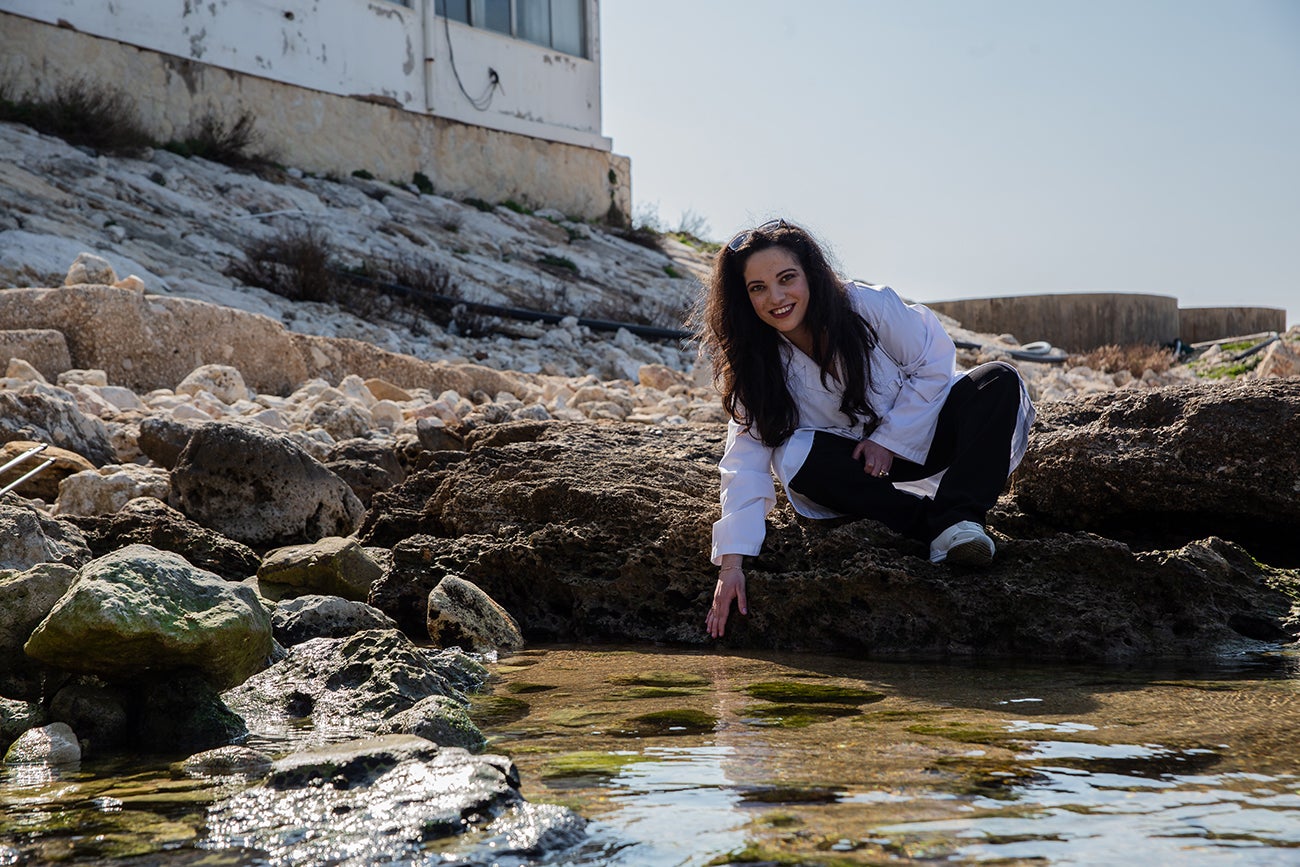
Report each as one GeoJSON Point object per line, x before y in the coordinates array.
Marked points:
{"type": "Point", "coordinates": [557, 24]}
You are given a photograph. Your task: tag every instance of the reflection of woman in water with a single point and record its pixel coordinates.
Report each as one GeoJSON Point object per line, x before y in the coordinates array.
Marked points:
{"type": "Point", "coordinates": [841, 390]}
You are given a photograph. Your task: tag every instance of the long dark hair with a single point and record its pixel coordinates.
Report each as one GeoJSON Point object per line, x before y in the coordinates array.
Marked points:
{"type": "Point", "coordinates": [748, 367]}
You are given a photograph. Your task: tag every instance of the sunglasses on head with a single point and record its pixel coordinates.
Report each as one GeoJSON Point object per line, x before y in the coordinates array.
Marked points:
{"type": "Point", "coordinates": [745, 234]}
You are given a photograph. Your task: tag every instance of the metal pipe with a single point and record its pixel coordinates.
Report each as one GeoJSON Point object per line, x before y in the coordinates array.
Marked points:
{"type": "Point", "coordinates": [18, 481]}
{"type": "Point", "coordinates": [24, 456]}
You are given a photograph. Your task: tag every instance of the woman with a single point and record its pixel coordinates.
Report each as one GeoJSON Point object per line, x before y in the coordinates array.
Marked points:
{"type": "Point", "coordinates": [852, 399]}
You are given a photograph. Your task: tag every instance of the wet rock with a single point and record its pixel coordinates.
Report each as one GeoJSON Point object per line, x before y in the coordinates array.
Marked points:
{"type": "Point", "coordinates": [222, 381]}
{"type": "Point", "coordinates": [58, 421]}
{"type": "Point", "coordinates": [148, 521]}
{"type": "Point", "coordinates": [45, 348]}
{"type": "Point", "coordinates": [323, 805]}
{"type": "Point", "coordinates": [259, 488]}
{"type": "Point", "coordinates": [17, 717]}
{"type": "Point", "coordinates": [334, 566]}
{"type": "Point", "coordinates": [25, 600]}
{"type": "Point", "coordinates": [29, 537]}
{"type": "Point", "coordinates": [53, 744]}
{"type": "Point", "coordinates": [45, 484]}
{"type": "Point", "coordinates": [89, 268]}
{"type": "Point", "coordinates": [1160, 468]}
{"type": "Point", "coordinates": [106, 490]}
{"type": "Point", "coordinates": [142, 610]}
{"type": "Point", "coordinates": [440, 719]}
{"type": "Point", "coordinates": [601, 533]}
{"type": "Point", "coordinates": [183, 712]}
{"type": "Point", "coordinates": [352, 685]}
{"type": "Point", "coordinates": [230, 761]}
{"type": "Point", "coordinates": [462, 615]}
{"type": "Point", "coordinates": [163, 439]}
{"type": "Point", "coordinates": [97, 712]}
{"type": "Point", "coordinates": [297, 620]}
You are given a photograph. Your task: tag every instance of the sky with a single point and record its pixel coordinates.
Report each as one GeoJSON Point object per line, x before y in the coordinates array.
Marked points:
{"type": "Point", "coordinates": [977, 148]}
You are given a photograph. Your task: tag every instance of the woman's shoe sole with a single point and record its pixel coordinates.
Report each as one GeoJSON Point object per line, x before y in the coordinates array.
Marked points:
{"type": "Point", "coordinates": [975, 552]}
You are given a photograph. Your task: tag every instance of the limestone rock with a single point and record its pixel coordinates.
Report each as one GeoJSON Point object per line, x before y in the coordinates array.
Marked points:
{"type": "Point", "coordinates": [297, 620]}
{"type": "Point", "coordinates": [29, 537]}
{"type": "Point", "coordinates": [89, 268]}
{"type": "Point", "coordinates": [661, 377]}
{"type": "Point", "coordinates": [44, 348]}
{"type": "Point", "coordinates": [45, 484]}
{"type": "Point", "coordinates": [59, 422]}
{"type": "Point", "coordinates": [228, 761]}
{"type": "Point", "coordinates": [17, 717]}
{"type": "Point", "coordinates": [384, 672]}
{"type": "Point", "coordinates": [384, 390]}
{"type": "Point", "coordinates": [462, 615]}
{"type": "Point", "coordinates": [222, 381]}
{"type": "Point", "coordinates": [77, 376]}
{"type": "Point", "coordinates": [439, 719]}
{"type": "Point", "coordinates": [435, 435]}
{"type": "Point", "coordinates": [141, 610]}
{"type": "Point", "coordinates": [23, 371]}
{"type": "Point", "coordinates": [25, 600]}
{"type": "Point", "coordinates": [163, 439]}
{"type": "Point", "coordinates": [148, 521]}
{"type": "Point", "coordinates": [333, 566]}
{"type": "Point", "coordinates": [106, 490]}
{"type": "Point", "coordinates": [1281, 359]}
{"type": "Point", "coordinates": [257, 487]}
{"type": "Point", "coordinates": [53, 744]}
{"type": "Point", "coordinates": [367, 466]}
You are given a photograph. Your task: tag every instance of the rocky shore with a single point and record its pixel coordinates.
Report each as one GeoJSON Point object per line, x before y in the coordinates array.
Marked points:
{"type": "Point", "coordinates": [261, 515]}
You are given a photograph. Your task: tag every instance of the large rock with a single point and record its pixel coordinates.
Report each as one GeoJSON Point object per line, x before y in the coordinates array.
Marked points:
{"type": "Point", "coordinates": [352, 685]}
{"type": "Point", "coordinates": [52, 416]}
{"type": "Point", "coordinates": [149, 521]}
{"type": "Point", "coordinates": [140, 610]}
{"type": "Point", "coordinates": [222, 381]}
{"type": "Point", "coordinates": [54, 744]}
{"type": "Point", "coordinates": [462, 615]}
{"type": "Point", "coordinates": [601, 532]}
{"type": "Point", "coordinates": [324, 805]}
{"type": "Point", "coordinates": [45, 484]}
{"type": "Point", "coordinates": [333, 566]}
{"type": "Point", "coordinates": [162, 439]}
{"type": "Point", "coordinates": [259, 488]}
{"type": "Point", "coordinates": [26, 598]}
{"type": "Point", "coordinates": [367, 466]}
{"type": "Point", "coordinates": [106, 490]}
{"type": "Point", "coordinates": [306, 617]}
{"type": "Point", "coordinates": [29, 537]}
{"type": "Point", "coordinates": [44, 348]}
{"type": "Point", "coordinates": [1161, 467]}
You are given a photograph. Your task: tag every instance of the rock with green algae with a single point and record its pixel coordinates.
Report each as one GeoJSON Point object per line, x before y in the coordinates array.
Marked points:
{"type": "Point", "coordinates": [333, 566]}
{"type": "Point", "coordinates": [143, 611]}
{"type": "Point", "coordinates": [462, 615]}
{"type": "Point", "coordinates": [53, 744]}
{"type": "Point", "coordinates": [440, 719]}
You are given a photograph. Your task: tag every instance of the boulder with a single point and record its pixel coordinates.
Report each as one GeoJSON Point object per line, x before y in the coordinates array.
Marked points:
{"type": "Point", "coordinates": [1159, 468]}
{"type": "Point", "coordinates": [352, 685]}
{"type": "Point", "coordinates": [323, 805]}
{"type": "Point", "coordinates": [601, 533]}
{"type": "Point", "coordinates": [29, 537]}
{"type": "Point", "coordinates": [333, 566]}
{"type": "Point", "coordinates": [368, 466]}
{"type": "Point", "coordinates": [440, 719]}
{"type": "Point", "coordinates": [44, 348]}
{"type": "Point", "coordinates": [183, 712]}
{"type": "Point", "coordinates": [48, 418]}
{"type": "Point", "coordinates": [436, 436]}
{"type": "Point", "coordinates": [25, 600]}
{"type": "Point", "coordinates": [222, 381]}
{"type": "Point", "coordinates": [297, 620]}
{"type": "Point", "coordinates": [89, 268]}
{"type": "Point", "coordinates": [17, 717]}
{"type": "Point", "coordinates": [53, 744]}
{"type": "Point", "coordinates": [259, 488]}
{"type": "Point", "coordinates": [45, 484]}
{"type": "Point", "coordinates": [141, 610]}
{"type": "Point", "coordinates": [149, 521]}
{"type": "Point", "coordinates": [230, 761]}
{"type": "Point", "coordinates": [20, 369]}
{"type": "Point", "coordinates": [462, 615]}
{"type": "Point", "coordinates": [162, 439]}
{"type": "Point", "coordinates": [106, 490]}
{"type": "Point", "coordinates": [1281, 359]}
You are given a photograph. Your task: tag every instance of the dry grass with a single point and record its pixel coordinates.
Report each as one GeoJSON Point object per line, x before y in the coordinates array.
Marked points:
{"type": "Point", "coordinates": [1135, 358]}
{"type": "Point", "coordinates": [82, 112]}
{"type": "Point", "coordinates": [298, 264]}
{"type": "Point", "coordinates": [229, 144]}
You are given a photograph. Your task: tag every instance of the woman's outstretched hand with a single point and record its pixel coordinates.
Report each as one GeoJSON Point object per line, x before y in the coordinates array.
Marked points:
{"type": "Point", "coordinates": [731, 585]}
{"type": "Point", "coordinates": [876, 459]}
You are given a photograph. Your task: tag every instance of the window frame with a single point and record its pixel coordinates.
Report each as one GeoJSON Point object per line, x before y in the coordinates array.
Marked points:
{"type": "Point", "coordinates": [440, 9]}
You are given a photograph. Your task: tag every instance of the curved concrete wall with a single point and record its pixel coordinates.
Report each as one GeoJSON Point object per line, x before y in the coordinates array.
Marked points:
{"type": "Point", "coordinates": [1075, 323]}
{"type": "Point", "coordinates": [1212, 323]}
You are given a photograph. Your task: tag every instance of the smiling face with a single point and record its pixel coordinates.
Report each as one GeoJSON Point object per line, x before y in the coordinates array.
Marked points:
{"type": "Point", "coordinates": [778, 289]}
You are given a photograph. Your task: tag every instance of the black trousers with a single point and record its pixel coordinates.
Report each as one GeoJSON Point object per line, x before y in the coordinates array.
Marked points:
{"type": "Point", "coordinates": [972, 442]}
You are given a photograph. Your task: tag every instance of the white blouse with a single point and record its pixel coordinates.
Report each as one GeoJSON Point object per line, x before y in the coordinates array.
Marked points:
{"type": "Point", "coordinates": [913, 366]}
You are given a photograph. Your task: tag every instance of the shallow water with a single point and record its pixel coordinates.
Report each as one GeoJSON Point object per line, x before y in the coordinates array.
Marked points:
{"type": "Point", "coordinates": [687, 758]}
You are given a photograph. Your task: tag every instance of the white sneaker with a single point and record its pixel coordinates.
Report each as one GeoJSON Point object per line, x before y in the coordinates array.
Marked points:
{"type": "Point", "coordinates": [964, 542]}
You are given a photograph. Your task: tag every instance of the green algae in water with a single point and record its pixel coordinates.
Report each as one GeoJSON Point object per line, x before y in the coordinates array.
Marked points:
{"type": "Point", "coordinates": [495, 710]}
{"type": "Point", "coordinates": [797, 716]}
{"type": "Point", "coordinates": [963, 733]}
{"type": "Point", "coordinates": [581, 717]}
{"type": "Point", "coordinates": [589, 764]}
{"type": "Point", "coordinates": [523, 688]}
{"type": "Point", "coordinates": [636, 693]}
{"type": "Point", "coordinates": [660, 679]}
{"type": "Point", "coordinates": [756, 854]}
{"type": "Point", "coordinates": [789, 692]}
{"type": "Point", "coordinates": [683, 721]}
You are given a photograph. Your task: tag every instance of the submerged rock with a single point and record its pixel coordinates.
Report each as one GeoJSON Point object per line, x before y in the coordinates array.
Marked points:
{"type": "Point", "coordinates": [235, 761]}
{"type": "Point", "coordinates": [140, 610]}
{"type": "Point", "coordinates": [54, 744]}
{"type": "Point", "coordinates": [385, 800]}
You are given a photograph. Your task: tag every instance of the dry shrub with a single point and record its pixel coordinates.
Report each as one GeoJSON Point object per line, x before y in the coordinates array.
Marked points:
{"type": "Point", "coordinates": [213, 139]}
{"type": "Point", "coordinates": [297, 264]}
{"type": "Point", "coordinates": [82, 112]}
{"type": "Point", "coordinates": [1135, 358]}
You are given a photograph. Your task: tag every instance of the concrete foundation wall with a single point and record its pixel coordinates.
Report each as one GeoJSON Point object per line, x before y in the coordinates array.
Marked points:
{"type": "Point", "coordinates": [1075, 323]}
{"type": "Point", "coordinates": [321, 132]}
{"type": "Point", "coordinates": [1212, 323]}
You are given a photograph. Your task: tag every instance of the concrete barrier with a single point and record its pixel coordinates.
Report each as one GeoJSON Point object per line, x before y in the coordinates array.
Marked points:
{"type": "Point", "coordinates": [1198, 324]}
{"type": "Point", "coordinates": [1074, 322]}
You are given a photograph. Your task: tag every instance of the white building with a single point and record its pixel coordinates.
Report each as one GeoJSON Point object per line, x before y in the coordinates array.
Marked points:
{"type": "Point", "coordinates": [497, 99]}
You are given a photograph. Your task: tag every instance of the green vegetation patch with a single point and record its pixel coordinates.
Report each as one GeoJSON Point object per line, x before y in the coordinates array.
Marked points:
{"type": "Point", "coordinates": [559, 262]}
{"type": "Point", "coordinates": [422, 183]}
{"type": "Point", "coordinates": [474, 202]}
{"type": "Point", "coordinates": [522, 688]}
{"type": "Point", "coordinates": [789, 692]}
{"type": "Point", "coordinates": [589, 764]}
{"type": "Point", "coordinates": [511, 204]}
{"type": "Point", "coordinates": [960, 732]}
{"type": "Point", "coordinates": [753, 853]}
{"type": "Point", "coordinates": [660, 678]}
{"type": "Point", "coordinates": [644, 692]}
{"type": "Point", "coordinates": [681, 721]}
{"type": "Point", "coordinates": [798, 716]}
{"type": "Point", "coordinates": [493, 710]}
